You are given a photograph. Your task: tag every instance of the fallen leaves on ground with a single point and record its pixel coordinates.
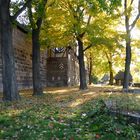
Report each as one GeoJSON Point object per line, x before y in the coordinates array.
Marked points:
{"type": "Point", "coordinates": [62, 114]}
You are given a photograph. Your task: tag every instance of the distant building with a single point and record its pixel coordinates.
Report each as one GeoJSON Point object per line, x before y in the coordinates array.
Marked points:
{"type": "Point", "coordinates": [119, 78]}
{"type": "Point", "coordinates": [62, 67]}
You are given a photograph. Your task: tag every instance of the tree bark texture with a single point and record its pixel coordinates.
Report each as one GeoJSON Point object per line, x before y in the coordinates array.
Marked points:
{"type": "Point", "coordinates": [128, 48]}
{"type": "Point", "coordinates": [10, 91]}
{"type": "Point", "coordinates": [110, 73]}
{"type": "Point", "coordinates": [37, 84]}
{"type": "Point", "coordinates": [83, 83]}
{"type": "Point", "coordinates": [129, 28]}
{"type": "Point", "coordinates": [90, 70]}
{"type": "Point", "coordinates": [127, 63]}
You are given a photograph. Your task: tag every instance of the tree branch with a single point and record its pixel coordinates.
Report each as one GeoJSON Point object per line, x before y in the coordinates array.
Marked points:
{"type": "Point", "coordinates": [88, 22]}
{"type": "Point", "coordinates": [131, 2]}
{"type": "Point", "coordinates": [126, 16]}
{"type": "Point", "coordinates": [89, 46]}
{"type": "Point", "coordinates": [21, 10]}
{"type": "Point", "coordinates": [70, 48]}
{"type": "Point", "coordinates": [89, 19]}
{"type": "Point", "coordinates": [39, 22]}
{"type": "Point", "coordinates": [82, 11]}
{"type": "Point", "coordinates": [31, 15]}
{"type": "Point", "coordinates": [137, 17]}
{"type": "Point", "coordinates": [107, 56]}
{"type": "Point", "coordinates": [40, 19]}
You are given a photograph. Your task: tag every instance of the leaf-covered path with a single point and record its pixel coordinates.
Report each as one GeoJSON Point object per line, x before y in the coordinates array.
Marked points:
{"type": "Point", "coordinates": [68, 114]}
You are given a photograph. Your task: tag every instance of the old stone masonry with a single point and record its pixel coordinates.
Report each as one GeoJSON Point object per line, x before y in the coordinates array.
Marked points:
{"type": "Point", "coordinates": [58, 68]}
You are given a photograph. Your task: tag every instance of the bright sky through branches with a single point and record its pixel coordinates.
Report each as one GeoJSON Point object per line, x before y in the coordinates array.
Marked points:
{"type": "Point", "coordinates": [135, 32]}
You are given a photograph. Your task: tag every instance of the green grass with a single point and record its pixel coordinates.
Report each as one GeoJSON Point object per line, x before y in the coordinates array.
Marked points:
{"type": "Point", "coordinates": [46, 122]}
{"type": "Point", "coordinates": [44, 118]}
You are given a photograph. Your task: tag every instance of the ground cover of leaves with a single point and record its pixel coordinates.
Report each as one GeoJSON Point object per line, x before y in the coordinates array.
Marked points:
{"type": "Point", "coordinates": [68, 114]}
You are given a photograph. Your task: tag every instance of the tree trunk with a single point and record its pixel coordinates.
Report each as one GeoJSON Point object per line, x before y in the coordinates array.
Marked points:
{"type": "Point", "coordinates": [37, 85]}
{"type": "Point", "coordinates": [128, 49]}
{"type": "Point", "coordinates": [90, 70]}
{"type": "Point", "coordinates": [10, 91]}
{"type": "Point", "coordinates": [111, 73]}
{"type": "Point", "coordinates": [127, 64]}
{"type": "Point", "coordinates": [83, 83]}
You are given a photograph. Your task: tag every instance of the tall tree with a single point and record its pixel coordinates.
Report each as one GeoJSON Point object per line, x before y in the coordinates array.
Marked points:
{"type": "Point", "coordinates": [63, 31]}
{"type": "Point", "coordinates": [10, 90]}
{"type": "Point", "coordinates": [79, 14]}
{"type": "Point", "coordinates": [105, 59]}
{"type": "Point", "coordinates": [36, 18]}
{"type": "Point", "coordinates": [83, 17]}
{"type": "Point", "coordinates": [106, 41]}
{"type": "Point", "coordinates": [106, 38]}
{"type": "Point", "coordinates": [112, 49]}
{"type": "Point", "coordinates": [128, 9]}
{"type": "Point", "coordinates": [79, 29]}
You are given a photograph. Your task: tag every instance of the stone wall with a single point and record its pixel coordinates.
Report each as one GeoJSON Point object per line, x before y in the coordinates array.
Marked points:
{"type": "Point", "coordinates": [73, 69]}
{"type": "Point", "coordinates": [57, 71]}
{"type": "Point", "coordinates": [23, 60]}
{"type": "Point", "coordinates": [43, 67]}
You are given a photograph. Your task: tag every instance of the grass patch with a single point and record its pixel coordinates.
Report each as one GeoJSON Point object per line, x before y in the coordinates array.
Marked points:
{"type": "Point", "coordinates": [64, 116]}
